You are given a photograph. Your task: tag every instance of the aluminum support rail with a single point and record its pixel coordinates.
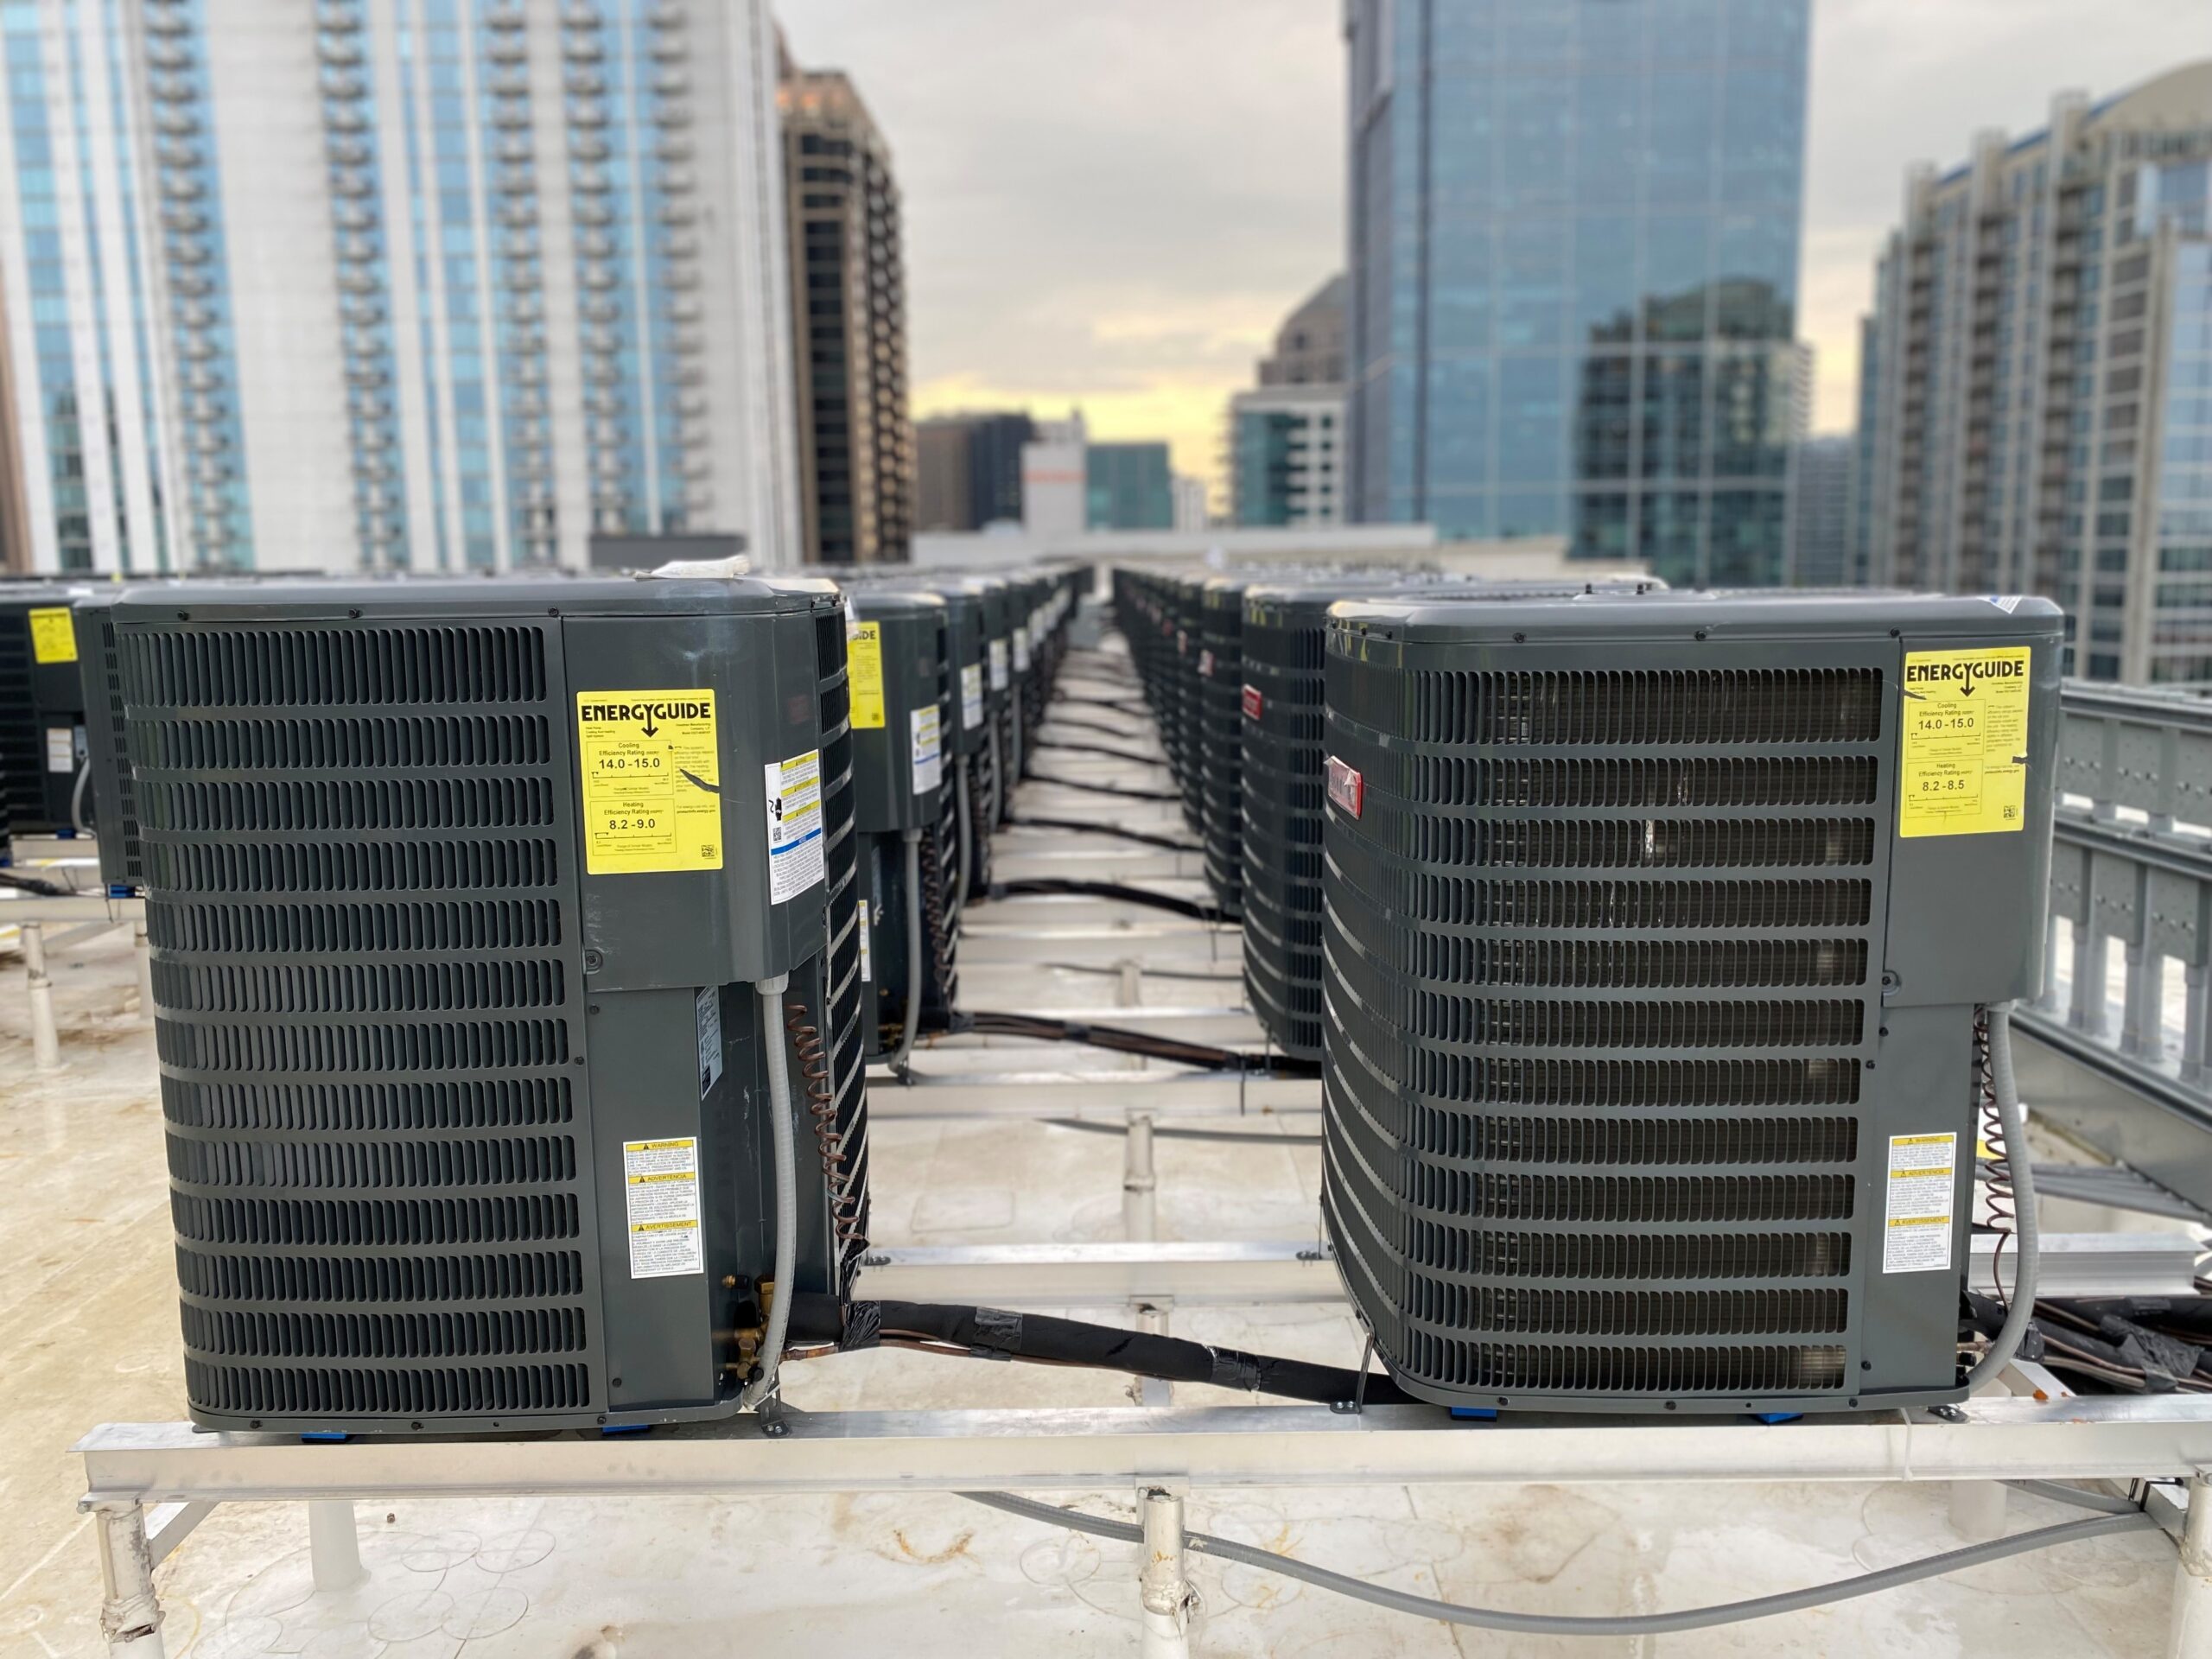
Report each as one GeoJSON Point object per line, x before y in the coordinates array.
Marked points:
{"type": "Point", "coordinates": [1105, 1096]}
{"type": "Point", "coordinates": [1254, 1275]}
{"type": "Point", "coordinates": [2110, 1438]}
{"type": "Point", "coordinates": [1026, 860]}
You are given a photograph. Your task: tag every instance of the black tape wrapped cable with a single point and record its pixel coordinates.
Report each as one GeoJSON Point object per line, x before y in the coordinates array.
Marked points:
{"type": "Point", "coordinates": [1143, 837]}
{"type": "Point", "coordinates": [998, 1333]}
{"type": "Point", "coordinates": [1121, 1040]}
{"type": "Point", "coordinates": [1198, 909]}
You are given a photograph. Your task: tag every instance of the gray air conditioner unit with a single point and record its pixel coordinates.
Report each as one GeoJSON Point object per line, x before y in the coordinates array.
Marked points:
{"type": "Point", "coordinates": [1275, 755]}
{"type": "Point", "coordinates": [41, 708]}
{"type": "Point", "coordinates": [896, 644]}
{"type": "Point", "coordinates": [463, 898]}
{"type": "Point", "coordinates": [1658, 939]}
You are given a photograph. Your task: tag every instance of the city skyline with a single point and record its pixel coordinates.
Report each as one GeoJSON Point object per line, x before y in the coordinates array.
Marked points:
{"type": "Point", "coordinates": [1130, 247]}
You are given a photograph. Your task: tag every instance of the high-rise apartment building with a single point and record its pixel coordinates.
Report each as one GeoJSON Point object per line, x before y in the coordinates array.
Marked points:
{"type": "Point", "coordinates": [848, 320]}
{"type": "Point", "coordinates": [2036, 381]}
{"type": "Point", "coordinates": [1287, 439]}
{"type": "Point", "coordinates": [430, 284]}
{"type": "Point", "coordinates": [1309, 348]}
{"type": "Point", "coordinates": [1573, 249]}
{"type": "Point", "coordinates": [1823, 512]}
{"type": "Point", "coordinates": [968, 470]}
{"type": "Point", "coordinates": [1128, 486]}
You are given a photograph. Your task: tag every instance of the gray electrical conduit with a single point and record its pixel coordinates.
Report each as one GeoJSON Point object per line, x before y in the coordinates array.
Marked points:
{"type": "Point", "coordinates": [1491, 1618]}
{"type": "Point", "coordinates": [2022, 1306]}
{"type": "Point", "coordinates": [786, 1149]}
{"type": "Point", "coordinates": [77, 799]}
{"type": "Point", "coordinates": [903, 1059]}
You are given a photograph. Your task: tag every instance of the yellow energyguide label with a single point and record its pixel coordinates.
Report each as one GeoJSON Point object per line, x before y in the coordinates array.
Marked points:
{"type": "Point", "coordinates": [54, 635]}
{"type": "Point", "coordinates": [864, 673]}
{"type": "Point", "coordinates": [1962, 763]}
{"type": "Point", "coordinates": [652, 781]}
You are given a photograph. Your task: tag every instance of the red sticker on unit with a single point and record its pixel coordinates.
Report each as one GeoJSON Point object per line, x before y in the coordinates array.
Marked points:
{"type": "Point", "coordinates": [1206, 664]}
{"type": "Point", "coordinates": [1346, 787]}
{"type": "Point", "coordinates": [1253, 703]}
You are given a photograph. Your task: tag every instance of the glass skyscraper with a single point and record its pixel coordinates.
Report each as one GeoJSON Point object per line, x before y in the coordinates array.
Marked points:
{"type": "Point", "coordinates": [393, 284]}
{"type": "Point", "coordinates": [1573, 240]}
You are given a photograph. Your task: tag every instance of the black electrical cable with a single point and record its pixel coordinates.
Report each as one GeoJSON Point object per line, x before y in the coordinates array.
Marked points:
{"type": "Point", "coordinates": [1200, 910]}
{"type": "Point", "coordinates": [1121, 1040]}
{"type": "Point", "coordinates": [999, 1333]}
{"type": "Point", "coordinates": [1059, 782]}
{"type": "Point", "coordinates": [1634, 1624]}
{"type": "Point", "coordinates": [33, 884]}
{"type": "Point", "coordinates": [1143, 837]}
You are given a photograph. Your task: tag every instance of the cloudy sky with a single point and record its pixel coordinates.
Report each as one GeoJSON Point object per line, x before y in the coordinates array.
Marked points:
{"type": "Point", "coordinates": [1113, 203]}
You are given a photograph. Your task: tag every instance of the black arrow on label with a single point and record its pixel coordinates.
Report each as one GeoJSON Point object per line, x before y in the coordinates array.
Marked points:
{"type": "Point", "coordinates": [650, 728]}
{"type": "Point", "coordinates": [1965, 691]}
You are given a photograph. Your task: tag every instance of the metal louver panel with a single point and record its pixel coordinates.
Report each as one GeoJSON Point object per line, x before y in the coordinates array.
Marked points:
{"type": "Point", "coordinates": [1602, 953]}
{"type": "Point", "coordinates": [366, 991]}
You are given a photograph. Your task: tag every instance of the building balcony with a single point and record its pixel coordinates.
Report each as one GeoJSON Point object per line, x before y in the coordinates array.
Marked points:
{"type": "Point", "coordinates": [176, 121]}
{"type": "Point", "coordinates": [523, 278]}
{"type": "Point", "coordinates": [672, 114]}
{"type": "Point", "coordinates": [679, 181]}
{"type": "Point", "coordinates": [587, 115]}
{"type": "Point", "coordinates": [585, 80]}
{"type": "Point", "coordinates": [340, 50]}
{"type": "Point", "coordinates": [678, 212]}
{"type": "Point", "coordinates": [672, 82]}
{"type": "Point", "coordinates": [168, 24]}
{"type": "Point", "coordinates": [692, 406]}
{"type": "Point", "coordinates": [590, 180]}
{"type": "Point", "coordinates": [369, 376]}
{"type": "Point", "coordinates": [512, 115]}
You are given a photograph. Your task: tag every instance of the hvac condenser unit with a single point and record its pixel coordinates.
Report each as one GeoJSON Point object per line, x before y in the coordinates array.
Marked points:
{"type": "Point", "coordinates": [896, 648]}
{"type": "Point", "coordinates": [463, 898]}
{"type": "Point", "coordinates": [1659, 935]}
{"type": "Point", "coordinates": [41, 708]}
{"type": "Point", "coordinates": [1220, 757]}
{"type": "Point", "coordinates": [1277, 757]}
{"type": "Point", "coordinates": [1002, 726]}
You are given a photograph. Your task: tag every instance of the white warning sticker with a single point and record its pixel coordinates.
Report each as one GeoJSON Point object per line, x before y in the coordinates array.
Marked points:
{"type": "Point", "coordinates": [1021, 649]}
{"type": "Point", "coordinates": [711, 1038]}
{"type": "Point", "coordinates": [999, 674]}
{"type": "Point", "coordinates": [794, 788]}
{"type": "Point", "coordinates": [660, 1181]}
{"type": "Point", "coordinates": [1922, 1188]}
{"type": "Point", "coordinates": [61, 748]}
{"type": "Point", "coordinates": [929, 749]}
{"type": "Point", "coordinates": [867, 970]}
{"type": "Point", "coordinates": [971, 696]}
